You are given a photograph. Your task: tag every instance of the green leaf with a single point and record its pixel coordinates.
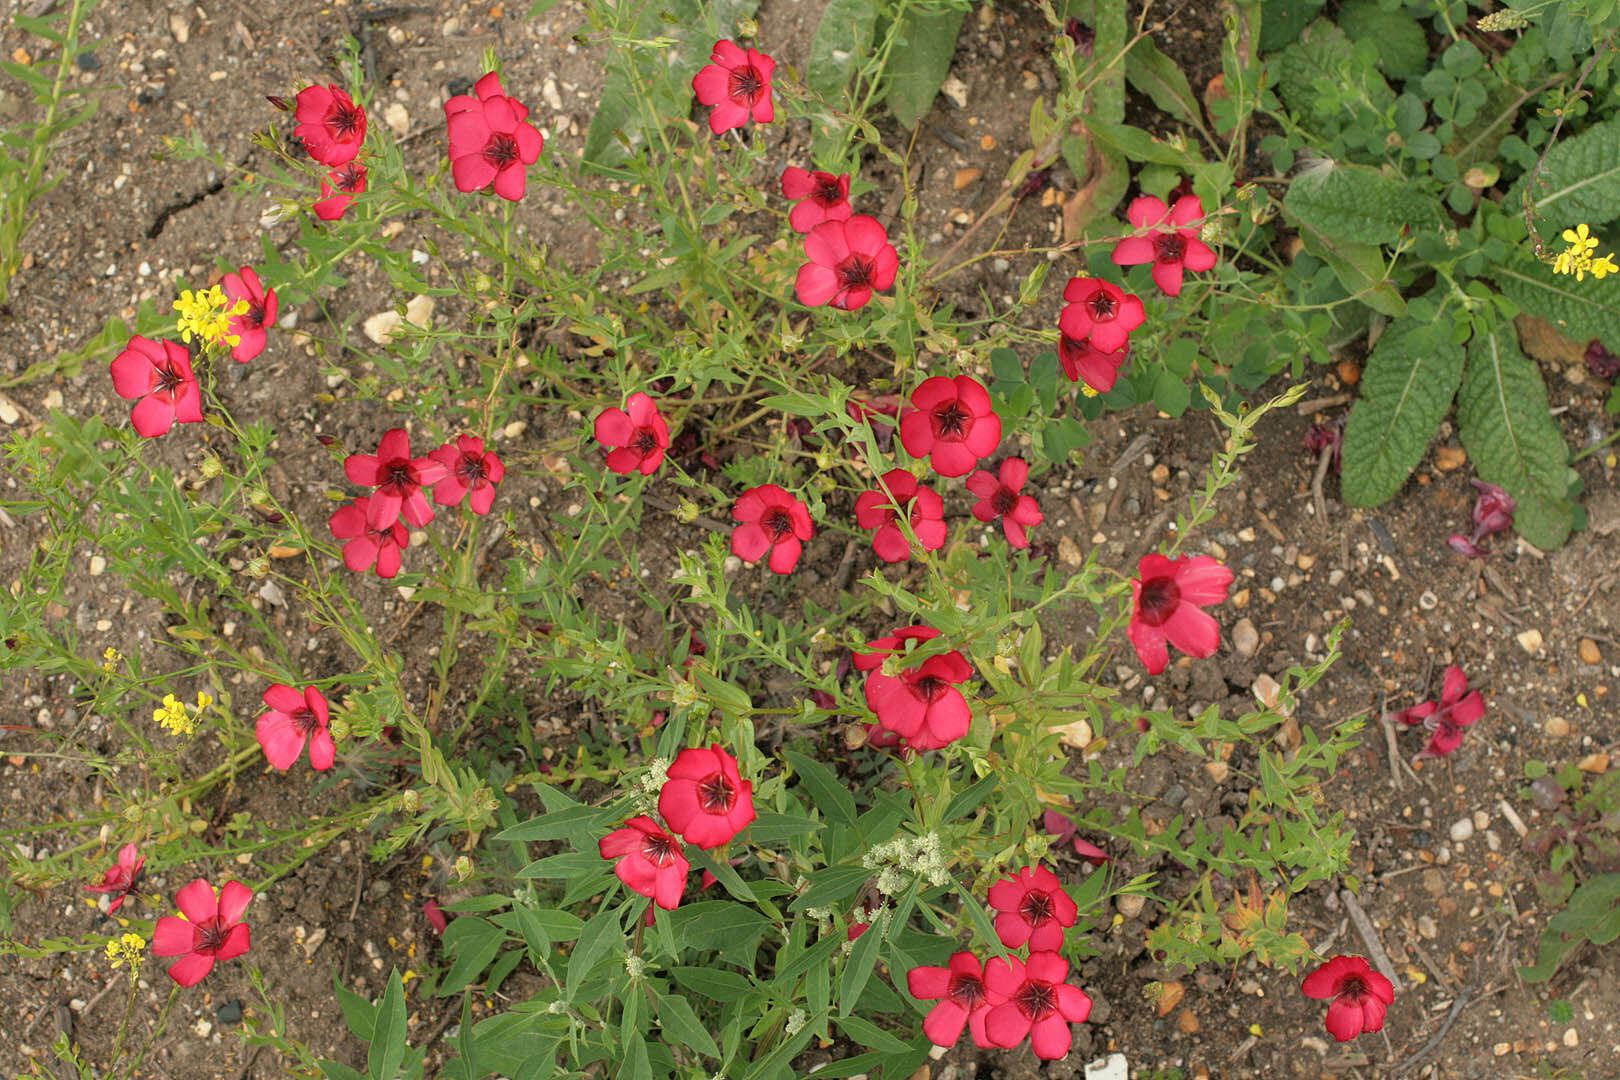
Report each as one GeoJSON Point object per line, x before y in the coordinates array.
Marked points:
{"type": "Point", "coordinates": [843, 37]}
{"type": "Point", "coordinates": [472, 943]}
{"type": "Point", "coordinates": [598, 937]}
{"type": "Point", "coordinates": [1403, 48]}
{"type": "Point", "coordinates": [1359, 268]}
{"type": "Point", "coordinates": [712, 982]}
{"type": "Point", "coordinates": [1406, 390]}
{"type": "Point", "coordinates": [387, 1050]}
{"type": "Point", "coordinates": [920, 61]}
{"type": "Point", "coordinates": [1170, 393]}
{"type": "Point", "coordinates": [575, 821]}
{"type": "Point", "coordinates": [869, 1034]}
{"type": "Point", "coordinates": [1156, 75]}
{"type": "Point", "coordinates": [1360, 205]}
{"type": "Point", "coordinates": [1581, 309]}
{"type": "Point", "coordinates": [1502, 418]}
{"type": "Point", "coordinates": [1579, 182]}
{"type": "Point", "coordinates": [827, 794]}
{"type": "Point", "coordinates": [858, 968]}
{"type": "Point", "coordinates": [679, 1022]}
{"type": "Point", "coordinates": [358, 1013]}
{"type": "Point", "coordinates": [1282, 21]}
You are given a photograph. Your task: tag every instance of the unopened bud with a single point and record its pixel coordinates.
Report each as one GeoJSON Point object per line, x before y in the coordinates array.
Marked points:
{"type": "Point", "coordinates": [410, 800]}
{"type": "Point", "coordinates": [464, 868]}
{"type": "Point", "coordinates": [258, 566]}
{"type": "Point", "coordinates": [211, 467]}
{"type": "Point", "coordinates": [684, 694]}
{"type": "Point", "coordinates": [279, 102]}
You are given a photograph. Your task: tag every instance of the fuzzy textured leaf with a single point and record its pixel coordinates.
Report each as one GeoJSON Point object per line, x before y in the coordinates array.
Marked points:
{"type": "Point", "coordinates": [1581, 309]}
{"type": "Point", "coordinates": [1406, 391]}
{"type": "Point", "coordinates": [1403, 48]}
{"type": "Point", "coordinates": [1359, 204]}
{"type": "Point", "coordinates": [920, 61]}
{"type": "Point", "coordinates": [842, 37]}
{"type": "Point", "coordinates": [1580, 182]}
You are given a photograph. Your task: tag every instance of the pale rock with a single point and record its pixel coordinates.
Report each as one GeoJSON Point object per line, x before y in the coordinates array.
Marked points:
{"type": "Point", "coordinates": [1529, 640]}
{"type": "Point", "coordinates": [180, 27]}
{"type": "Point", "coordinates": [9, 412]}
{"type": "Point", "coordinates": [956, 90]}
{"type": "Point", "coordinates": [382, 326]}
{"type": "Point", "coordinates": [419, 311]}
{"type": "Point", "coordinates": [397, 117]}
{"type": "Point", "coordinates": [1461, 830]}
{"type": "Point", "coordinates": [1130, 904]}
{"type": "Point", "coordinates": [1112, 1067]}
{"type": "Point", "coordinates": [1245, 638]}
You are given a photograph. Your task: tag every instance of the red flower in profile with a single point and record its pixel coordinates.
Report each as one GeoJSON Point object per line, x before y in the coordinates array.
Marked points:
{"type": "Point", "coordinates": [921, 704]}
{"type": "Point", "coordinates": [964, 1000]}
{"type": "Point", "coordinates": [999, 497]}
{"type": "Point", "coordinates": [1103, 312]}
{"type": "Point", "coordinates": [491, 140]}
{"type": "Point", "coordinates": [1360, 995]}
{"type": "Point", "coordinates": [650, 861]}
{"type": "Point", "coordinates": [119, 879]}
{"type": "Point", "coordinates": [296, 717]}
{"type": "Point", "coordinates": [1459, 709]}
{"type": "Point", "coordinates": [261, 313]}
{"type": "Point", "coordinates": [368, 545]}
{"type": "Point", "coordinates": [1171, 250]}
{"type": "Point", "coordinates": [470, 472]}
{"type": "Point", "coordinates": [876, 509]}
{"type": "Point", "coordinates": [737, 82]}
{"type": "Point", "coordinates": [952, 423]}
{"type": "Point", "coordinates": [1032, 908]}
{"type": "Point", "coordinates": [773, 521]}
{"type": "Point", "coordinates": [399, 479]}
{"type": "Point", "coordinates": [209, 928]}
{"type": "Point", "coordinates": [437, 917]}
{"type": "Point", "coordinates": [1033, 999]}
{"type": "Point", "coordinates": [1083, 361]}
{"type": "Point", "coordinates": [1166, 596]}
{"type": "Point", "coordinates": [639, 433]}
{"type": "Point", "coordinates": [1063, 830]}
{"type": "Point", "coordinates": [159, 373]}
{"type": "Point", "coordinates": [338, 190]}
{"type": "Point", "coordinates": [705, 799]}
{"type": "Point", "coordinates": [848, 261]}
{"type": "Point", "coordinates": [332, 126]}
{"type": "Point", "coordinates": [825, 197]}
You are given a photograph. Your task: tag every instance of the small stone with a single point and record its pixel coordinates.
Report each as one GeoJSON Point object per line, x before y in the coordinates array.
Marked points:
{"type": "Point", "coordinates": [548, 94]}
{"type": "Point", "coordinates": [451, 27]}
{"type": "Point", "coordinates": [1245, 638]}
{"type": "Point", "coordinates": [1218, 771]}
{"type": "Point", "coordinates": [1482, 820]}
{"type": "Point", "coordinates": [229, 1012]}
{"type": "Point", "coordinates": [382, 326]}
{"type": "Point", "coordinates": [1112, 1067]}
{"type": "Point", "coordinates": [1501, 1049]}
{"type": "Point", "coordinates": [419, 311]}
{"type": "Point", "coordinates": [397, 117]}
{"type": "Point", "coordinates": [1427, 600]}
{"type": "Point", "coordinates": [203, 1028]}
{"type": "Point", "coordinates": [1240, 599]}
{"type": "Point", "coordinates": [314, 940]}
{"type": "Point", "coordinates": [1572, 1037]}
{"type": "Point", "coordinates": [98, 565]}
{"type": "Point", "coordinates": [515, 428]}
{"type": "Point", "coordinates": [1426, 926]}
{"type": "Point", "coordinates": [1594, 763]}
{"type": "Point", "coordinates": [956, 90]}
{"type": "Point", "coordinates": [1130, 904]}
{"type": "Point", "coordinates": [9, 412]}
{"type": "Point", "coordinates": [1529, 640]}
{"type": "Point", "coordinates": [1069, 551]}
{"type": "Point", "coordinates": [1076, 736]}
{"type": "Point", "coordinates": [1461, 830]}
{"type": "Point", "coordinates": [180, 27]}
{"type": "Point", "coordinates": [1305, 562]}
{"type": "Point", "coordinates": [1448, 458]}
{"type": "Point", "coordinates": [271, 593]}
{"type": "Point", "coordinates": [1589, 652]}
{"type": "Point", "coordinates": [964, 177]}
{"type": "Point", "coordinates": [1187, 1022]}
{"type": "Point", "coordinates": [1557, 727]}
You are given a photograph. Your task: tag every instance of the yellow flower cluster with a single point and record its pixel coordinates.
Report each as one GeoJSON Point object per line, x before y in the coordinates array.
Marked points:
{"type": "Point", "coordinates": [207, 313]}
{"type": "Point", "coordinates": [174, 717]}
{"type": "Point", "coordinates": [1577, 258]}
{"type": "Point", "coordinates": [130, 949]}
{"type": "Point", "coordinates": [110, 658]}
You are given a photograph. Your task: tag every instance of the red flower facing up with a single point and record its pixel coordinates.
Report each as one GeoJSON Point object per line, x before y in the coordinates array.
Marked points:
{"type": "Point", "coordinates": [999, 497]}
{"type": "Point", "coordinates": [921, 704]}
{"type": "Point", "coordinates": [1166, 596]}
{"type": "Point", "coordinates": [470, 472]}
{"type": "Point", "coordinates": [159, 373]}
{"type": "Point", "coordinates": [964, 1000]}
{"type": "Point", "coordinates": [399, 479]}
{"type": "Point", "coordinates": [296, 717]}
{"type": "Point", "coordinates": [338, 190]}
{"type": "Point", "coordinates": [261, 313]}
{"type": "Point", "coordinates": [773, 521]}
{"type": "Point", "coordinates": [1459, 709]}
{"type": "Point", "coordinates": [650, 861]}
{"type": "Point", "coordinates": [332, 126]}
{"type": "Point", "coordinates": [1171, 250]}
{"type": "Point", "coordinates": [209, 928]}
{"type": "Point", "coordinates": [491, 140]}
{"type": "Point", "coordinates": [1103, 312]}
{"type": "Point", "coordinates": [119, 879]}
{"type": "Point", "coordinates": [876, 509]}
{"type": "Point", "coordinates": [1032, 908]}
{"type": "Point", "coordinates": [951, 423]}
{"type": "Point", "coordinates": [848, 261]}
{"type": "Point", "coordinates": [637, 431]}
{"type": "Point", "coordinates": [368, 545]}
{"type": "Point", "coordinates": [1083, 361]}
{"type": "Point", "coordinates": [705, 799]}
{"type": "Point", "coordinates": [737, 82]}
{"type": "Point", "coordinates": [1360, 995]}
{"type": "Point", "coordinates": [825, 197]}
{"type": "Point", "coordinates": [1033, 999]}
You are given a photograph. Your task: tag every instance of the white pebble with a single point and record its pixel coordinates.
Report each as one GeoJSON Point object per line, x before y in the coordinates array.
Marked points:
{"type": "Point", "coordinates": [1461, 829]}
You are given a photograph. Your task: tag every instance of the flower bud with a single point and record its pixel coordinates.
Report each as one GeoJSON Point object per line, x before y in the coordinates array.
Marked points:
{"type": "Point", "coordinates": [684, 695]}
{"type": "Point", "coordinates": [338, 728]}
{"type": "Point", "coordinates": [410, 800]}
{"type": "Point", "coordinates": [258, 566]}
{"type": "Point", "coordinates": [464, 868]}
{"type": "Point", "coordinates": [211, 467]}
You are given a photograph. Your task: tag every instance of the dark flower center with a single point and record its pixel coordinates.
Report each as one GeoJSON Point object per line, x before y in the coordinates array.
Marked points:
{"type": "Point", "coordinates": [1169, 247]}
{"type": "Point", "coordinates": [777, 523]}
{"type": "Point", "coordinates": [855, 271]}
{"type": "Point", "coordinates": [502, 150]}
{"type": "Point", "coordinates": [470, 470]}
{"type": "Point", "coordinates": [715, 794]}
{"type": "Point", "coordinates": [746, 85]}
{"type": "Point", "coordinates": [1102, 306]}
{"type": "Point", "coordinates": [351, 177]}
{"type": "Point", "coordinates": [343, 121]}
{"type": "Point", "coordinates": [209, 937]}
{"type": "Point", "coordinates": [169, 378]}
{"type": "Point", "coordinates": [1353, 988]}
{"type": "Point", "coordinates": [304, 721]}
{"type": "Point", "coordinates": [828, 192]}
{"type": "Point", "coordinates": [1036, 1000]}
{"type": "Point", "coordinates": [1160, 598]}
{"type": "Point", "coordinates": [930, 688]}
{"type": "Point", "coordinates": [952, 421]}
{"type": "Point", "coordinates": [966, 990]}
{"type": "Point", "coordinates": [1036, 907]}
{"type": "Point", "coordinates": [1004, 501]}
{"type": "Point", "coordinates": [254, 319]}
{"type": "Point", "coordinates": [644, 441]}
{"type": "Point", "coordinates": [658, 849]}
{"type": "Point", "coordinates": [398, 476]}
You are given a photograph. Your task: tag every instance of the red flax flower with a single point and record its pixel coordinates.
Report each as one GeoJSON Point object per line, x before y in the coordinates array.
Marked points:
{"type": "Point", "coordinates": [338, 190]}
{"type": "Point", "coordinates": [159, 373]}
{"type": "Point", "coordinates": [296, 717]}
{"type": "Point", "coordinates": [1360, 995]}
{"type": "Point", "coordinates": [1103, 312]}
{"type": "Point", "coordinates": [773, 521]}
{"type": "Point", "coordinates": [1166, 596]}
{"type": "Point", "coordinates": [848, 261]}
{"type": "Point", "coordinates": [1063, 830]}
{"type": "Point", "coordinates": [876, 509]}
{"type": "Point", "coordinates": [332, 126]}
{"type": "Point", "coordinates": [208, 928]}
{"type": "Point", "coordinates": [963, 999]}
{"type": "Point", "coordinates": [470, 472]}
{"type": "Point", "coordinates": [119, 879]}
{"type": "Point", "coordinates": [637, 431]}
{"type": "Point", "coordinates": [399, 479]}
{"type": "Point", "coordinates": [1171, 250]}
{"type": "Point", "coordinates": [825, 197]}
{"type": "Point", "coordinates": [367, 544]}
{"type": "Point", "coordinates": [1033, 999]}
{"type": "Point", "coordinates": [1032, 907]}
{"type": "Point", "coordinates": [737, 83]}
{"type": "Point", "coordinates": [650, 861]}
{"type": "Point", "coordinates": [1083, 361]}
{"type": "Point", "coordinates": [951, 423]}
{"type": "Point", "coordinates": [999, 497]}
{"type": "Point", "coordinates": [1459, 709]}
{"type": "Point", "coordinates": [261, 313]}
{"type": "Point", "coordinates": [921, 704]}
{"type": "Point", "coordinates": [705, 799]}
{"type": "Point", "coordinates": [491, 140]}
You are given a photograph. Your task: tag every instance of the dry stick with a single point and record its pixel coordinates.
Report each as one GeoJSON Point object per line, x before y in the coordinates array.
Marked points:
{"type": "Point", "coordinates": [1394, 752]}
{"type": "Point", "coordinates": [1312, 405]}
{"type": "Point", "coordinates": [1364, 927]}
{"type": "Point", "coordinates": [114, 981]}
{"type": "Point", "coordinates": [1322, 464]}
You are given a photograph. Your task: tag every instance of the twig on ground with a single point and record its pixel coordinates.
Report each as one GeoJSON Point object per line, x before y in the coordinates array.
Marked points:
{"type": "Point", "coordinates": [1369, 937]}
{"type": "Point", "coordinates": [1513, 817]}
{"type": "Point", "coordinates": [1317, 481]}
{"type": "Point", "coordinates": [1137, 447]}
{"type": "Point", "coordinates": [1313, 405]}
{"type": "Point", "coordinates": [105, 990]}
{"type": "Point", "coordinates": [846, 566]}
{"type": "Point", "coordinates": [1394, 750]}
{"type": "Point", "coordinates": [247, 1066]}
{"type": "Point", "coordinates": [1428, 962]}
{"type": "Point", "coordinates": [1271, 527]}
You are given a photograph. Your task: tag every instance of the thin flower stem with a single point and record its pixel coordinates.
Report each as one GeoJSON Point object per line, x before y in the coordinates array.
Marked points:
{"type": "Point", "coordinates": [163, 1021]}
{"type": "Point", "coordinates": [129, 1011]}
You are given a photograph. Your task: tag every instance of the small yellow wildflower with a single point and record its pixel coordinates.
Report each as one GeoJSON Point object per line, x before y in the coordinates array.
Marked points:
{"type": "Point", "coordinates": [173, 717]}
{"type": "Point", "coordinates": [110, 658]}
{"type": "Point", "coordinates": [203, 701]}
{"type": "Point", "coordinates": [128, 948]}
{"type": "Point", "coordinates": [207, 313]}
{"type": "Point", "coordinates": [1577, 258]}
{"type": "Point", "coordinates": [1085, 388]}
{"type": "Point", "coordinates": [1603, 266]}
{"type": "Point", "coordinates": [1579, 240]}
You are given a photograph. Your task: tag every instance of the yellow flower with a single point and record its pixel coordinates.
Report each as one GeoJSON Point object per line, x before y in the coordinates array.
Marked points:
{"type": "Point", "coordinates": [1085, 388]}
{"type": "Point", "coordinates": [1604, 266]}
{"type": "Point", "coordinates": [1578, 239]}
{"type": "Point", "coordinates": [1577, 258]}
{"type": "Point", "coordinates": [173, 717]}
{"type": "Point", "coordinates": [203, 701]}
{"type": "Point", "coordinates": [207, 313]}
{"type": "Point", "coordinates": [111, 658]}
{"type": "Point", "coordinates": [129, 948]}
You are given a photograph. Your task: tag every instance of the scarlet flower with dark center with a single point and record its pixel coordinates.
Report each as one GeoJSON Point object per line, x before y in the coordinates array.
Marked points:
{"type": "Point", "coordinates": [339, 189]}
{"type": "Point", "coordinates": [1173, 246]}
{"type": "Point", "coordinates": [822, 197]}
{"type": "Point", "coordinates": [963, 998]}
{"type": "Point", "coordinates": [650, 861]}
{"type": "Point", "coordinates": [120, 878]}
{"type": "Point", "coordinates": [1033, 909]}
{"type": "Point", "coordinates": [737, 82]}
{"type": "Point", "coordinates": [637, 431]}
{"type": "Point", "coordinates": [1458, 709]}
{"type": "Point", "coordinates": [849, 260]}
{"type": "Point", "coordinates": [159, 374]}
{"type": "Point", "coordinates": [1360, 995]}
{"type": "Point", "coordinates": [880, 509]}
{"type": "Point", "coordinates": [770, 520]}
{"type": "Point", "coordinates": [209, 929]}
{"type": "Point", "coordinates": [952, 423]}
{"type": "Point", "coordinates": [920, 703]}
{"type": "Point", "coordinates": [250, 326]}
{"type": "Point", "coordinates": [1000, 496]}
{"type": "Point", "coordinates": [295, 717]}
{"type": "Point", "coordinates": [1083, 361]}
{"type": "Point", "coordinates": [492, 143]}
{"type": "Point", "coordinates": [705, 800]}
{"type": "Point", "coordinates": [470, 472]}
{"type": "Point", "coordinates": [1167, 596]}
{"type": "Point", "coordinates": [1100, 311]}
{"type": "Point", "coordinates": [1033, 999]}
{"type": "Point", "coordinates": [368, 545]}
{"type": "Point", "coordinates": [331, 125]}
{"type": "Point", "coordinates": [399, 479]}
